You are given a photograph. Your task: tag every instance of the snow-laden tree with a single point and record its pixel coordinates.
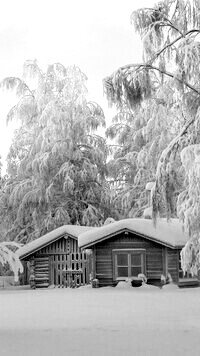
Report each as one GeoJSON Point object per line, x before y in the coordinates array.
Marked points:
{"type": "Point", "coordinates": [141, 134]}
{"type": "Point", "coordinates": [3, 224]}
{"type": "Point", "coordinates": [170, 33]}
{"type": "Point", "coordinates": [8, 255]}
{"type": "Point", "coordinates": [57, 163]}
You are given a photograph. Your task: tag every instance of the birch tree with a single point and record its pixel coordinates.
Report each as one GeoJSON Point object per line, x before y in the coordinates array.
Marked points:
{"type": "Point", "coordinates": [57, 162]}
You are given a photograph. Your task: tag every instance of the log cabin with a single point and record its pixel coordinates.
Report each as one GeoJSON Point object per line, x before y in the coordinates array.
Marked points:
{"type": "Point", "coordinates": [126, 248]}
{"type": "Point", "coordinates": [71, 255]}
{"type": "Point", "coordinates": [55, 259]}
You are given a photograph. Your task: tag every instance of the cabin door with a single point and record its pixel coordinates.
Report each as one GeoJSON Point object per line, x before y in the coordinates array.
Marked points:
{"type": "Point", "coordinates": [128, 263]}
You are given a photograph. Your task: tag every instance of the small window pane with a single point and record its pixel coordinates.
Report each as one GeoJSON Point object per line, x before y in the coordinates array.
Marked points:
{"type": "Point", "coordinates": [122, 271]}
{"type": "Point", "coordinates": [122, 260]}
{"type": "Point", "coordinates": [135, 271]}
{"type": "Point", "coordinates": [136, 260]}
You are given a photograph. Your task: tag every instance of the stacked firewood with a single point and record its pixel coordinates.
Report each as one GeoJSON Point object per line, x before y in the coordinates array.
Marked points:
{"type": "Point", "coordinates": [41, 272]}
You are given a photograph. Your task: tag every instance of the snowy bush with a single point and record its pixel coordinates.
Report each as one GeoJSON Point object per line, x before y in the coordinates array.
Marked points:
{"type": "Point", "coordinates": [142, 277]}
{"type": "Point", "coordinates": [109, 221]}
{"type": "Point", "coordinates": [8, 255]}
{"type": "Point", "coordinates": [166, 279]}
{"type": "Point", "coordinates": [190, 258]}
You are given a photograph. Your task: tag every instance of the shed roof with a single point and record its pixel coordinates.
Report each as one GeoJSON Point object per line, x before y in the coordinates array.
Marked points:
{"type": "Point", "coordinates": [69, 230]}
{"type": "Point", "coordinates": [167, 233]}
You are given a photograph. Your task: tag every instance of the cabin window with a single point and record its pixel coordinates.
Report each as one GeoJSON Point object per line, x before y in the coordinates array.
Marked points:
{"type": "Point", "coordinates": [128, 263]}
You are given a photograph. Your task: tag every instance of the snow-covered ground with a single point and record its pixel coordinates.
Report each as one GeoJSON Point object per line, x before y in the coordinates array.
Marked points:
{"type": "Point", "coordinates": [106, 321]}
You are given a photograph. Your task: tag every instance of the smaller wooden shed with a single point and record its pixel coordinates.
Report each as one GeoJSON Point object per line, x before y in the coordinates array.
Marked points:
{"type": "Point", "coordinates": [126, 248]}
{"type": "Point", "coordinates": [55, 258]}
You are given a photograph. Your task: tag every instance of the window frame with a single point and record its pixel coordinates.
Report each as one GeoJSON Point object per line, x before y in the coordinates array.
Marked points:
{"type": "Point", "coordinates": [129, 252]}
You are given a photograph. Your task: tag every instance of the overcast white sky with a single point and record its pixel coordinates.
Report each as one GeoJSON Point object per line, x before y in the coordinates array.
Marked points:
{"type": "Point", "coordinates": [96, 35]}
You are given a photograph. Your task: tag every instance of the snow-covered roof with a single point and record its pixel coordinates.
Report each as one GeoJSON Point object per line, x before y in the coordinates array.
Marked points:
{"type": "Point", "coordinates": [166, 233]}
{"type": "Point", "coordinates": [69, 230]}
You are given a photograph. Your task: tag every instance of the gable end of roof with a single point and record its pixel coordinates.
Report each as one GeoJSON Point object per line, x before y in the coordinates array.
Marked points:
{"type": "Point", "coordinates": [147, 237]}
{"type": "Point", "coordinates": [67, 231]}
{"type": "Point", "coordinates": [169, 234]}
{"type": "Point", "coordinates": [45, 244]}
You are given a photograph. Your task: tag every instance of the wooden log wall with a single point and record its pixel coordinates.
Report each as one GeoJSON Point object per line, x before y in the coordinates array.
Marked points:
{"type": "Point", "coordinates": [154, 261]}
{"type": "Point", "coordinates": [173, 263]}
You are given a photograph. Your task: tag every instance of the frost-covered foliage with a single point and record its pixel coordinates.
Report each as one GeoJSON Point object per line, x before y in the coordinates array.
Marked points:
{"type": "Point", "coordinates": [57, 163]}
{"type": "Point", "coordinates": [189, 208]}
{"type": "Point", "coordinates": [170, 33]}
{"type": "Point", "coordinates": [190, 257]}
{"type": "Point", "coordinates": [141, 136]}
{"type": "Point", "coordinates": [123, 87]}
{"type": "Point", "coordinates": [188, 202]}
{"type": "Point", "coordinates": [8, 254]}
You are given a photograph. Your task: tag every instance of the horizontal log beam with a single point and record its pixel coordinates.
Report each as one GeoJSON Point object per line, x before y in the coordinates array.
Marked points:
{"type": "Point", "coordinates": [42, 285]}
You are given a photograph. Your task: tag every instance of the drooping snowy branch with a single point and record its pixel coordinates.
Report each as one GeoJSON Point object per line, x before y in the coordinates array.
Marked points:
{"type": "Point", "coordinates": [162, 185]}
{"type": "Point", "coordinates": [135, 82]}
{"type": "Point", "coordinates": [8, 254]}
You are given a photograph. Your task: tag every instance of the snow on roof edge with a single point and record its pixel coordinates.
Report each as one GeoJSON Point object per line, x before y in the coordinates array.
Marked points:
{"type": "Point", "coordinates": [35, 245]}
{"type": "Point", "coordinates": [131, 231]}
{"type": "Point", "coordinates": [166, 233]}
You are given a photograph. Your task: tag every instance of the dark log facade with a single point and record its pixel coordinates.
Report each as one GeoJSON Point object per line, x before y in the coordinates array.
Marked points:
{"type": "Point", "coordinates": [158, 259]}
{"type": "Point", "coordinates": [60, 263]}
